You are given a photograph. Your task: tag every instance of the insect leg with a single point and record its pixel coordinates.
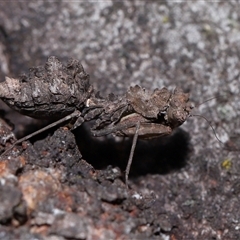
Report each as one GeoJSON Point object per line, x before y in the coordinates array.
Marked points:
{"type": "Point", "coordinates": [112, 129]}
{"type": "Point", "coordinates": [131, 153]}
{"type": "Point", "coordinates": [68, 117]}
{"type": "Point", "coordinates": [78, 122]}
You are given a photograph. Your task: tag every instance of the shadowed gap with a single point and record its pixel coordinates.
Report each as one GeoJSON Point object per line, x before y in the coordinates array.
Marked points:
{"type": "Point", "coordinates": [159, 155]}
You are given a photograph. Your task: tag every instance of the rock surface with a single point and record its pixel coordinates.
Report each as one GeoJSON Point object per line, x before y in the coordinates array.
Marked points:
{"type": "Point", "coordinates": [194, 45]}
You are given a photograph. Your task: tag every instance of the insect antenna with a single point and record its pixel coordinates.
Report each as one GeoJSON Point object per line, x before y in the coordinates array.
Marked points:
{"type": "Point", "coordinates": [200, 116]}
{"type": "Point", "coordinates": [214, 132]}
{"type": "Point", "coordinates": [205, 101]}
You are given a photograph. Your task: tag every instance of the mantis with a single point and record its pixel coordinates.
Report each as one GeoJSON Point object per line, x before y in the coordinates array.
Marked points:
{"type": "Point", "coordinates": [62, 92]}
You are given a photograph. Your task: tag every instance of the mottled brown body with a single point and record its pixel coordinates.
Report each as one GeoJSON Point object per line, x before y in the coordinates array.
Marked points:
{"type": "Point", "coordinates": [52, 91]}
{"type": "Point", "coordinates": [63, 92]}
{"type": "Point", "coordinates": [158, 113]}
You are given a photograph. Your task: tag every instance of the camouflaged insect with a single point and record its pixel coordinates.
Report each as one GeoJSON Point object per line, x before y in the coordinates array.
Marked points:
{"type": "Point", "coordinates": [158, 112]}
{"type": "Point", "coordinates": [55, 91]}
{"type": "Point", "coordinates": [61, 92]}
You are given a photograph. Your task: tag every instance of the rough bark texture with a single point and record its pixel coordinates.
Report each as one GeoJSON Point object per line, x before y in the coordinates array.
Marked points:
{"type": "Point", "coordinates": [51, 91]}
{"type": "Point", "coordinates": [193, 45]}
{"type": "Point", "coordinates": [56, 90]}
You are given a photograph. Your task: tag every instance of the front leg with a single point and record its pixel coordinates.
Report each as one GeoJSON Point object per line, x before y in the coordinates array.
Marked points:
{"type": "Point", "coordinates": [126, 127]}
{"type": "Point", "coordinates": [122, 127]}
{"type": "Point", "coordinates": [112, 128]}
{"type": "Point", "coordinates": [147, 130]}
{"type": "Point", "coordinates": [137, 126]}
{"type": "Point", "coordinates": [143, 130]}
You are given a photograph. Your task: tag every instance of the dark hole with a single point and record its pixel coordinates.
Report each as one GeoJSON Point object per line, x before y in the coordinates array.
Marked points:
{"type": "Point", "coordinates": [159, 155]}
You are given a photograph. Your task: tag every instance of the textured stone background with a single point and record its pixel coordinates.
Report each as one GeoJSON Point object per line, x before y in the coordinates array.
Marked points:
{"type": "Point", "coordinates": [192, 44]}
